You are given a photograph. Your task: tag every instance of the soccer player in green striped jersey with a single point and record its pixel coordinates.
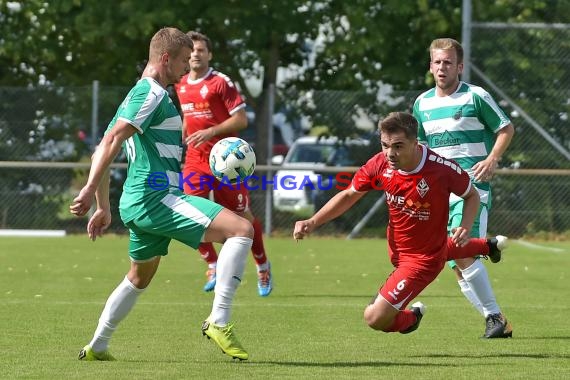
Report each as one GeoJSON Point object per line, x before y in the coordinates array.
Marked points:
{"type": "Point", "coordinates": [461, 121]}
{"type": "Point", "coordinates": [152, 206]}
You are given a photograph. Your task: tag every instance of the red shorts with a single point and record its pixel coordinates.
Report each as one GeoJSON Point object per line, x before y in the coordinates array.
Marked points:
{"type": "Point", "coordinates": [407, 281]}
{"type": "Point", "coordinates": [198, 181]}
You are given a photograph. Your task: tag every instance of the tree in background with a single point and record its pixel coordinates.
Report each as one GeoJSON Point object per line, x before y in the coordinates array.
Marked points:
{"type": "Point", "coordinates": [307, 45]}
{"type": "Point", "coordinates": [329, 44]}
{"type": "Point", "coordinates": [329, 60]}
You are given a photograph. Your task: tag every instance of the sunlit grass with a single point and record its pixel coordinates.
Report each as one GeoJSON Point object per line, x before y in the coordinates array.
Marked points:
{"type": "Point", "coordinates": [52, 291]}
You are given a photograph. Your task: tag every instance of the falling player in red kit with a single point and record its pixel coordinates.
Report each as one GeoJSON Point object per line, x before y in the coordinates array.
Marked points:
{"type": "Point", "coordinates": [213, 109]}
{"type": "Point", "coordinates": [417, 183]}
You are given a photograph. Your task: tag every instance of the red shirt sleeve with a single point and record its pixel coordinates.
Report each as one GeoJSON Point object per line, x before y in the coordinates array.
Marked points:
{"type": "Point", "coordinates": [459, 181]}
{"type": "Point", "coordinates": [369, 176]}
{"type": "Point", "coordinates": [230, 95]}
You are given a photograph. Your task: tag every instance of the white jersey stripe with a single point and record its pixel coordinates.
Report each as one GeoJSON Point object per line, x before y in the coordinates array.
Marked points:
{"type": "Point", "coordinates": [483, 195]}
{"type": "Point", "coordinates": [137, 127]}
{"type": "Point", "coordinates": [169, 124]}
{"type": "Point", "coordinates": [462, 150]}
{"type": "Point", "coordinates": [458, 99]}
{"type": "Point", "coordinates": [484, 95]}
{"type": "Point", "coordinates": [237, 109]}
{"type": "Point", "coordinates": [154, 96]}
{"type": "Point", "coordinates": [451, 125]}
{"type": "Point", "coordinates": [169, 151]}
{"type": "Point", "coordinates": [180, 206]}
{"type": "Point", "coordinates": [173, 178]}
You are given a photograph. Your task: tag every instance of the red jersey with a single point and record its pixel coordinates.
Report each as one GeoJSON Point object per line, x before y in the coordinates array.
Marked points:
{"type": "Point", "coordinates": [418, 203]}
{"type": "Point", "coordinates": [207, 102]}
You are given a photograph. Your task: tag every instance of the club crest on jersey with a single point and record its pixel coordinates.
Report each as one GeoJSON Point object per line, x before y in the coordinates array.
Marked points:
{"type": "Point", "coordinates": [458, 114]}
{"type": "Point", "coordinates": [422, 187]}
{"type": "Point", "coordinates": [204, 91]}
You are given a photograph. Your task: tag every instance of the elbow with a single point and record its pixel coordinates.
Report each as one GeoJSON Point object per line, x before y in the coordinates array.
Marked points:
{"type": "Point", "coordinates": [243, 123]}
{"type": "Point", "coordinates": [510, 130]}
{"type": "Point", "coordinates": [474, 195]}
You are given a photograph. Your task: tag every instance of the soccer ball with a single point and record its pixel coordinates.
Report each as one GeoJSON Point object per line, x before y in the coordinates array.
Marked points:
{"type": "Point", "coordinates": [232, 159]}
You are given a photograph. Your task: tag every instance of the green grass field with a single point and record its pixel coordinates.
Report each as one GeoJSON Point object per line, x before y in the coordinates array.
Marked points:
{"type": "Point", "coordinates": [53, 289]}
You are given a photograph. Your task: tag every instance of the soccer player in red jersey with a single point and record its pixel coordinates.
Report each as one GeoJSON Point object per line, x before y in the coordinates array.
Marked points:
{"type": "Point", "coordinates": [417, 183]}
{"type": "Point", "coordinates": [213, 109]}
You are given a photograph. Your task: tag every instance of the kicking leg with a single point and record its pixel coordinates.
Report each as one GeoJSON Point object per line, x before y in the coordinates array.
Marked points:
{"type": "Point", "coordinates": [237, 234]}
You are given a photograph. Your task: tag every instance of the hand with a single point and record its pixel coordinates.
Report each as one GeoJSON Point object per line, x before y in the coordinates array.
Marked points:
{"type": "Point", "coordinates": [82, 203]}
{"type": "Point", "coordinates": [460, 236]}
{"type": "Point", "coordinates": [303, 228]}
{"type": "Point", "coordinates": [484, 170]}
{"type": "Point", "coordinates": [99, 222]}
{"type": "Point", "coordinates": [199, 137]}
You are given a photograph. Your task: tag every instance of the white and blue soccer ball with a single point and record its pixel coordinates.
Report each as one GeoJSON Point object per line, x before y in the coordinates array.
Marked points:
{"type": "Point", "coordinates": [232, 159]}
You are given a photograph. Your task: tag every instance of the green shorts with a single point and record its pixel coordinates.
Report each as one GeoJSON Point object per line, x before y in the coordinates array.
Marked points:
{"type": "Point", "coordinates": [176, 216]}
{"type": "Point", "coordinates": [479, 228]}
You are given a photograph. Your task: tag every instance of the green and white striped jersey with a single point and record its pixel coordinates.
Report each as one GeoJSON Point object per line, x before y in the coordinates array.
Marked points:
{"type": "Point", "coordinates": [154, 152]}
{"type": "Point", "coordinates": [460, 126]}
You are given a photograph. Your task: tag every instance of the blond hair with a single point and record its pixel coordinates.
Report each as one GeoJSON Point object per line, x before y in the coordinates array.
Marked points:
{"type": "Point", "coordinates": [447, 44]}
{"type": "Point", "coordinates": [168, 40]}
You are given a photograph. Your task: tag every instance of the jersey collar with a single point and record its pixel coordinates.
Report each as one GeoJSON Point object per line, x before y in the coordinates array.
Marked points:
{"type": "Point", "coordinates": [196, 81]}
{"type": "Point", "coordinates": [420, 165]}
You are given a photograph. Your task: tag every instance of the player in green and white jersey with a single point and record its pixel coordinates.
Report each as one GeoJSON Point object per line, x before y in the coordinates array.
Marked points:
{"type": "Point", "coordinates": [461, 121]}
{"type": "Point", "coordinates": [153, 207]}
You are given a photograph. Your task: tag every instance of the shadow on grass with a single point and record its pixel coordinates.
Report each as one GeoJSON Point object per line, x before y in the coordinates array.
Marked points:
{"type": "Point", "coordinates": [544, 338]}
{"type": "Point", "coordinates": [493, 356]}
{"type": "Point", "coordinates": [329, 295]}
{"type": "Point", "coordinates": [350, 364]}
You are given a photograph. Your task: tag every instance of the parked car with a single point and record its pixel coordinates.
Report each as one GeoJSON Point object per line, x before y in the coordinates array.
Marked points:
{"type": "Point", "coordinates": [296, 189]}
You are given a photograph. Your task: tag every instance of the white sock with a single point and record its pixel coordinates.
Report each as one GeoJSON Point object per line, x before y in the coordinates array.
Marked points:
{"type": "Point", "coordinates": [118, 305]}
{"type": "Point", "coordinates": [231, 263]}
{"type": "Point", "coordinates": [471, 297]}
{"type": "Point", "coordinates": [478, 280]}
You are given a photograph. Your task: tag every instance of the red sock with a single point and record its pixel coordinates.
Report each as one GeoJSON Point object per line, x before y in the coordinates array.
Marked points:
{"type": "Point", "coordinates": [257, 248]}
{"type": "Point", "coordinates": [208, 252]}
{"type": "Point", "coordinates": [404, 319]}
{"type": "Point", "coordinates": [475, 247]}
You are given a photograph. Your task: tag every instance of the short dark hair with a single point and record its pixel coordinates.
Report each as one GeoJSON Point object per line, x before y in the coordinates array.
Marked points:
{"type": "Point", "coordinates": [400, 122]}
{"type": "Point", "coordinates": [197, 36]}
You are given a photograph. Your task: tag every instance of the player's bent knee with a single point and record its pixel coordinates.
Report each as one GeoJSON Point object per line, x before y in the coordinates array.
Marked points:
{"type": "Point", "coordinates": [239, 226]}
{"type": "Point", "coordinates": [244, 229]}
{"type": "Point", "coordinates": [141, 273]}
{"type": "Point", "coordinates": [228, 224]}
{"type": "Point", "coordinates": [377, 320]}
{"type": "Point", "coordinates": [378, 324]}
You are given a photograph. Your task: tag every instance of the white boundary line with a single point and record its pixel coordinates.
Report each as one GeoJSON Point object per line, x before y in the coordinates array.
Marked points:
{"type": "Point", "coordinates": [32, 233]}
{"type": "Point", "coordinates": [537, 246]}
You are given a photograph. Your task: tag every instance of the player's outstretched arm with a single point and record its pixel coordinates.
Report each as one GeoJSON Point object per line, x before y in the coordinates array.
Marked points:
{"type": "Point", "coordinates": [334, 208]}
